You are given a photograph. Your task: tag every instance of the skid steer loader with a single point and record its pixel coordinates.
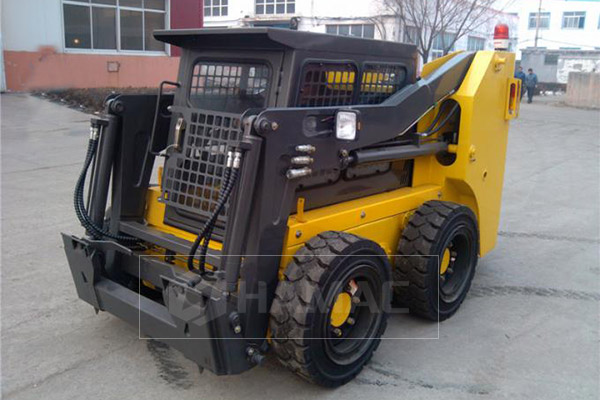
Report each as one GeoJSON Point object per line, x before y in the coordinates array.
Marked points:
{"type": "Point", "coordinates": [288, 185]}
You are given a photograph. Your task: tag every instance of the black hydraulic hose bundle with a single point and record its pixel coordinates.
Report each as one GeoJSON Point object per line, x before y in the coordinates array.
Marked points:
{"type": "Point", "coordinates": [229, 179]}
{"type": "Point", "coordinates": [207, 237]}
{"type": "Point", "coordinates": [97, 232]}
{"type": "Point", "coordinates": [431, 129]}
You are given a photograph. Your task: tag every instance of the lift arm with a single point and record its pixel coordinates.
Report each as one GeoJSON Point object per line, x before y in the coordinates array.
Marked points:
{"type": "Point", "coordinates": [378, 123]}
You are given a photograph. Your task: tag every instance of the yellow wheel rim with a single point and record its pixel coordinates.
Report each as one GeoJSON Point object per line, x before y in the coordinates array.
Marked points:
{"type": "Point", "coordinates": [341, 309]}
{"type": "Point", "coordinates": [445, 262]}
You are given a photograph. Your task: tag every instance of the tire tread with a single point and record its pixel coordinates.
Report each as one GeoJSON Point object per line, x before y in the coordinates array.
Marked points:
{"type": "Point", "coordinates": [289, 312]}
{"type": "Point", "coordinates": [418, 239]}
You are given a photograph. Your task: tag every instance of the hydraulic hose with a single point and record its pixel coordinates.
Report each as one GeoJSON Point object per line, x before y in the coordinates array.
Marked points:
{"type": "Point", "coordinates": [204, 249]}
{"type": "Point", "coordinates": [208, 236]}
{"type": "Point", "coordinates": [431, 130]}
{"type": "Point", "coordinates": [229, 181]}
{"type": "Point", "coordinates": [94, 230]}
{"type": "Point", "coordinates": [209, 225]}
{"type": "Point", "coordinates": [437, 117]}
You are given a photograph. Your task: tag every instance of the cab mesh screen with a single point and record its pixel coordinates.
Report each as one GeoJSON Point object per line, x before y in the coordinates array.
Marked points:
{"type": "Point", "coordinates": [331, 84]}
{"type": "Point", "coordinates": [324, 85]}
{"type": "Point", "coordinates": [380, 81]}
{"type": "Point", "coordinates": [193, 178]}
{"type": "Point", "coordinates": [220, 93]}
{"type": "Point", "coordinates": [229, 87]}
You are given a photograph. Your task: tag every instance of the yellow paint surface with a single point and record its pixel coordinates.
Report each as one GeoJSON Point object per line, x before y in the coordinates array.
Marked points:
{"type": "Point", "coordinates": [475, 179]}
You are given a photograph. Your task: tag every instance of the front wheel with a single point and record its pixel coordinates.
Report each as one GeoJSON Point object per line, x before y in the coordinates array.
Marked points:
{"type": "Point", "coordinates": [330, 310]}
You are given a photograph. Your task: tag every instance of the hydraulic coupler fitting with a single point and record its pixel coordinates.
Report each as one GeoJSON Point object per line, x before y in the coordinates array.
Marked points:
{"type": "Point", "coordinates": [306, 148]}
{"type": "Point", "coordinates": [237, 160]}
{"type": "Point", "coordinates": [234, 159]}
{"type": "Point", "coordinates": [94, 133]}
{"type": "Point", "coordinates": [302, 160]}
{"type": "Point", "coordinates": [96, 124]}
{"type": "Point", "coordinates": [298, 173]}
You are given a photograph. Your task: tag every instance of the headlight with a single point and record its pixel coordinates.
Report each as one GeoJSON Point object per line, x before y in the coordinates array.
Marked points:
{"type": "Point", "coordinates": [346, 125]}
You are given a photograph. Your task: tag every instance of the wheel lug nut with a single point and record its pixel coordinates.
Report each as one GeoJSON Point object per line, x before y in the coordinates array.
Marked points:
{"type": "Point", "coordinates": [337, 332]}
{"type": "Point", "coordinates": [350, 321]}
{"type": "Point", "coordinates": [355, 299]}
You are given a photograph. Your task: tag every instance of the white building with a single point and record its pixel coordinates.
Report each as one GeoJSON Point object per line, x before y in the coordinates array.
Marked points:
{"type": "Point", "coordinates": [363, 18]}
{"type": "Point", "coordinates": [557, 37]}
{"type": "Point", "coordinates": [563, 24]}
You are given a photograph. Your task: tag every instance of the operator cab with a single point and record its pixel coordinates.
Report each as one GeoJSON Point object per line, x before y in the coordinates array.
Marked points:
{"type": "Point", "coordinates": [226, 74]}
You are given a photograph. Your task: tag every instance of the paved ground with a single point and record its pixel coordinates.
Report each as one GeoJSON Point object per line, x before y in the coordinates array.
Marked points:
{"type": "Point", "coordinates": [528, 330]}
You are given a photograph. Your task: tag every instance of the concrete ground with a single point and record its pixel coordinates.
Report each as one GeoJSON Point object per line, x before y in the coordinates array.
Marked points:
{"type": "Point", "coordinates": [529, 328]}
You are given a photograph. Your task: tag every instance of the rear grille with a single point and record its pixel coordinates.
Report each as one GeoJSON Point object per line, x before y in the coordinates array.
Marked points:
{"type": "Point", "coordinates": [193, 178]}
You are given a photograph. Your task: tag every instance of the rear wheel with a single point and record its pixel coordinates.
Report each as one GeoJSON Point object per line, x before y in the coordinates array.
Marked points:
{"type": "Point", "coordinates": [330, 310]}
{"type": "Point", "coordinates": [440, 245]}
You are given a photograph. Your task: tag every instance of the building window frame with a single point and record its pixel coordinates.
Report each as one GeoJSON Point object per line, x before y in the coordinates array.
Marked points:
{"type": "Point", "coordinates": [437, 47]}
{"type": "Point", "coordinates": [544, 20]}
{"type": "Point", "coordinates": [216, 8]}
{"type": "Point", "coordinates": [353, 30]}
{"type": "Point", "coordinates": [274, 7]}
{"type": "Point", "coordinates": [118, 8]}
{"type": "Point", "coordinates": [551, 58]}
{"type": "Point", "coordinates": [410, 35]}
{"type": "Point", "coordinates": [573, 20]}
{"type": "Point", "coordinates": [475, 43]}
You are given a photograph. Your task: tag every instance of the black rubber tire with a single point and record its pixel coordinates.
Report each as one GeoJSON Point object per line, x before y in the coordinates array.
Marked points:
{"type": "Point", "coordinates": [298, 318]}
{"type": "Point", "coordinates": [430, 229]}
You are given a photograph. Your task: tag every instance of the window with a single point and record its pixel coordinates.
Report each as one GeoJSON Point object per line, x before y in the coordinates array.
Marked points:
{"type": "Point", "coordinates": [229, 87]}
{"type": "Point", "coordinates": [123, 25]}
{"type": "Point", "coordinates": [215, 8]}
{"type": "Point", "coordinates": [544, 20]}
{"type": "Point", "coordinates": [475, 43]}
{"type": "Point", "coordinates": [411, 35]}
{"type": "Point", "coordinates": [380, 81]}
{"type": "Point", "coordinates": [362, 30]}
{"type": "Point", "coordinates": [441, 41]}
{"type": "Point", "coordinates": [327, 84]}
{"type": "Point", "coordinates": [551, 59]}
{"type": "Point", "coordinates": [573, 20]}
{"type": "Point", "coordinates": [275, 6]}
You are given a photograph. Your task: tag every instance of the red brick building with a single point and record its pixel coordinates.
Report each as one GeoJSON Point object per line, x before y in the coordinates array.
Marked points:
{"type": "Point", "coordinates": [91, 43]}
